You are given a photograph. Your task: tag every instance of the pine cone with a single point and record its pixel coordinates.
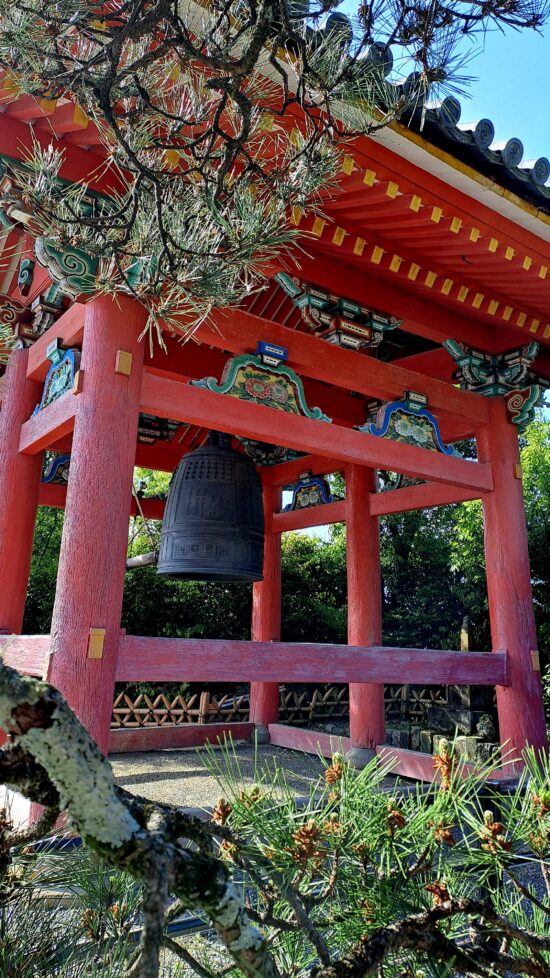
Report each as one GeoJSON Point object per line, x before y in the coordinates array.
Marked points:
{"type": "Point", "coordinates": [221, 812]}
{"type": "Point", "coordinates": [439, 891]}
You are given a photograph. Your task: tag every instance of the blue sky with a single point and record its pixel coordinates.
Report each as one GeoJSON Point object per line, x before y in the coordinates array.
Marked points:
{"type": "Point", "coordinates": [511, 88]}
{"type": "Point", "coordinates": [510, 79]}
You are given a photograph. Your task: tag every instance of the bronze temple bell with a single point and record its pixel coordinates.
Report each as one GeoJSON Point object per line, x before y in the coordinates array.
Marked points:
{"type": "Point", "coordinates": [213, 526]}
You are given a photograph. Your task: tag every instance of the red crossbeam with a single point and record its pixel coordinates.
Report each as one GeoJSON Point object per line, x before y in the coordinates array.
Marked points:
{"type": "Point", "coordinates": [211, 660]}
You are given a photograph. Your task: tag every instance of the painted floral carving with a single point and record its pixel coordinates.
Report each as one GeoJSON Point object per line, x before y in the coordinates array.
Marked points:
{"type": "Point", "coordinates": [407, 422]}
{"type": "Point", "coordinates": [279, 387]}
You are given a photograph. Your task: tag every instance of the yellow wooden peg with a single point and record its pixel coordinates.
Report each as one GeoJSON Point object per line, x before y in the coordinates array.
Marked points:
{"type": "Point", "coordinates": [96, 641]}
{"type": "Point", "coordinates": [123, 363]}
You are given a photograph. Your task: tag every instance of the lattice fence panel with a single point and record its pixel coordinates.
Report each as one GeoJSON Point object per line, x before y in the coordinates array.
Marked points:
{"type": "Point", "coordinates": [299, 708]}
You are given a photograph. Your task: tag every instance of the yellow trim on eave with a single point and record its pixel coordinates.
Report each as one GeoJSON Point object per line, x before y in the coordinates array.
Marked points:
{"type": "Point", "coordinates": [468, 171]}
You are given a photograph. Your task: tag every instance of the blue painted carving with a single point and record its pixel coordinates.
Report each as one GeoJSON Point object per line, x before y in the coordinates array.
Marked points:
{"type": "Point", "coordinates": [56, 471]}
{"type": "Point", "coordinates": [311, 491]}
{"type": "Point", "coordinates": [410, 423]}
{"type": "Point", "coordinates": [60, 377]}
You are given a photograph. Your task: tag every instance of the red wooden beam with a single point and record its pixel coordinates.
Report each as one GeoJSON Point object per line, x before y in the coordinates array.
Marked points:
{"type": "Point", "coordinates": [209, 660]}
{"type": "Point", "coordinates": [285, 473]}
{"type": "Point", "coordinates": [420, 767]}
{"type": "Point", "coordinates": [69, 329]}
{"type": "Point", "coordinates": [79, 165]}
{"type": "Point", "coordinates": [50, 424]}
{"type": "Point", "coordinates": [178, 736]}
{"type": "Point", "coordinates": [301, 519]}
{"type": "Point", "coordinates": [183, 402]}
{"type": "Point", "coordinates": [25, 653]}
{"type": "Point", "coordinates": [55, 496]}
{"type": "Point", "coordinates": [308, 741]}
{"type": "Point", "coordinates": [418, 497]}
{"type": "Point", "coordinates": [239, 331]}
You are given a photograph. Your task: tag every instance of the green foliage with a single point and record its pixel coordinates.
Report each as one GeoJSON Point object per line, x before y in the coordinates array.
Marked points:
{"type": "Point", "coordinates": [324, 877]}
{"type": "Point", "coordinates": [67, 915]}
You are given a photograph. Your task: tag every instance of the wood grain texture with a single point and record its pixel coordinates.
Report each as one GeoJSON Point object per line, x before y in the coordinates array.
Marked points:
{"type": "Point", "coordinates": [26, 653]}
{"type": "Point", "coordinates": [418, 497]}
{"type": "Point", "coordinates": [217, 660]}
{"type": "Point", "coordinates": [19, 490]}
{"type": "Point", "coordinates": [266, 605]}
{"type": "Point", "coordinates": [95, 532]}
{"type": "Point", "coordinates": [520, 706]}
{"type": "Point", "coordinates": [366, 702]}
{"type": "Point", "coordinates": [55, 421]}
{"type": "Point", "coordinates": [172, 399]}
{"type": "Point", "coordinates": [308, 741]}
{"type": "Point", "coordinates": [181, 736]}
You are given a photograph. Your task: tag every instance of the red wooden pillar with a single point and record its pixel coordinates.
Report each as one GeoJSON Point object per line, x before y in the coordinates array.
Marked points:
{"type": "Point", "coordinates": [90, 581]}
{"type": "Point", "coordinates": [19, 491]}
{"type": "Point", "coordinates": [520, 705]}
{"type": "Point", "coordinates": [366, 700]}
{"type": "Point", "coordinates": [266, 609]}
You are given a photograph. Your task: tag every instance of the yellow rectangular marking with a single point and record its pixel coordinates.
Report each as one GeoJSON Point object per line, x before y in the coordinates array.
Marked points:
{"type": "Point", "coordinates": [493, 244]}
{"type": "Point", "coordinates": [543, 271]}
{"type": "Point", "coordinates": [436, 215]}
{"type": "Point", "coordinates": [123, 363]}
{"type": "Point", "coordinates": [413, 272]}
{"type": "Point", "coordinates": [392, 189]}
{"type": "Point", "coordinates": [430, 279]}
{"type": "Point", "coordinates": [395, 263]}
{"type": "Point", "coordinates": [527, 262]}
{"type": "Point", "coordinates": [521, 319]}
{"type": "Point", "coordinates": [377, 254]}
{"type": "Point", "coordinates": [477, 300]}
{"type": "Point", "coordinates": [348, 165]}
{"type": "Point", "coordinates": [296, 138]}
{"type": "Point", "coordinates": [266, 122]}
{"type": "Point", "coordinates": [96, 641]}
{"type": "Point", "coordinates": [517, 470]}
{"type": "Point", "coordinates": [507, 312]}
{"type": "Point", "coordinates": [297, 215]}
{"type": "Point", "coordinates": [318, 227]}
{"type": "Point", "coordinates": [78, 382]}
{"type": "Point", "coordinates": [416, 203]}
{"type": "Point", "coordinates": [493, 306]}
{"type": "Point", "coordinates": [534, 325]}
{"type": "Point", "coordinates": [359, 246]}
{"type": "Point", "coordinates": [535, 660]}
{"type": "Point", "coordinates": [447, 286]}
{"type": "Point", "coordinates": [369, 178]}
{"type": "Point", "coordinates": [509, 254]}
{"type": "Point", "coordinates": [462, 293]}
{"type": "Point", "coordinates": [474, 234]}
{"type": "Point", "coordinates": [546, 333]}
{"type": "Point", "coordinates": [456, 224]}
{"type": "Point", "coordinates": [338, 236]}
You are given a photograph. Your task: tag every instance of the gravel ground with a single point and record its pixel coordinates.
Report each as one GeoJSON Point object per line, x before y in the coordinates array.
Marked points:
{"type": "Point", "coordinates": [182, 777]}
